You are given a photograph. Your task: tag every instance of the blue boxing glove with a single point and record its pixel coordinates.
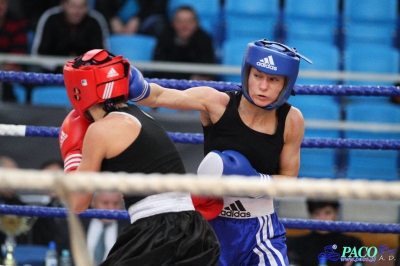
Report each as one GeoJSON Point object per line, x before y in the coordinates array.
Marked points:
{"type": "Point", "coordinates": [228, 162]}
{"type": "Point", "coordinates": [139, 88]}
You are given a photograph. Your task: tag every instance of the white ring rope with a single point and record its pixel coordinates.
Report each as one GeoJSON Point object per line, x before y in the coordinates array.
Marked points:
{"type": "Point", "coordinates": [19, 130]}
{"type": "Point", "coordinates": [233, 185]}
{"type": "Point", "coordinates": [12, 130]}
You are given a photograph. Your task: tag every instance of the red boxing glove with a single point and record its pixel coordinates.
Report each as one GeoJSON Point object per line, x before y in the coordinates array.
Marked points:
{"type": "Point", "coordinates": [209, 207]}
{"type": "Point", "coordinates": [70, 138]}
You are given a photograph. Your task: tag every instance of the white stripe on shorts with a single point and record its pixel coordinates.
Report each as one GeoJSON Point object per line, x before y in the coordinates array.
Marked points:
{"type": "Point", "coordinates": [264, 245]}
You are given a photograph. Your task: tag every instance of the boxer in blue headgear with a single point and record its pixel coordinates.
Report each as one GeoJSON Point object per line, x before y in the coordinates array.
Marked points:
{"type": "Point", "coordinates": [251, 131]}
{"type": "Point", "coordinates": [275, 59]}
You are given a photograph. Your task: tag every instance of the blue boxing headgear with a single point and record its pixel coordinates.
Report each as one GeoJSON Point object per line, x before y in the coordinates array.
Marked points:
{"type": "Point", "coordinates": [275, 59]}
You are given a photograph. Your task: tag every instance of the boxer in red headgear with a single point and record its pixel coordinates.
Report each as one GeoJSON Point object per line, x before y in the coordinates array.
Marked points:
{"type": "Point", "coordinates": [90, 79]}
{"type": "Point", "coordinates": [118, 137]}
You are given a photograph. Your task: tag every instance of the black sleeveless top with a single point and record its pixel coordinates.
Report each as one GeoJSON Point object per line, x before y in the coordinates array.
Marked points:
{"type": "Point", "coordinates": [152, 152]}
{"type": "Point", "coordinates": [230, 133]}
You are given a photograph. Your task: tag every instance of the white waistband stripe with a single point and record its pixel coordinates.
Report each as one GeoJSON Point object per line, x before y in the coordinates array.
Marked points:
{"type": "Point", "coordinates": [161, 203]}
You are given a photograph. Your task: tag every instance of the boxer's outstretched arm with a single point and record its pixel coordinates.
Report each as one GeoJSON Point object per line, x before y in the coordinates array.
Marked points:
{"type": "Point", "coordinates": [197, 98]}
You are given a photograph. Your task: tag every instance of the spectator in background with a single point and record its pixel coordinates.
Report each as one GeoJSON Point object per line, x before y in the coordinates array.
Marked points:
{"type": "Point", "coordinates": [7, 196]}
{"type": "Point", "coordinates": [101, 234]}
{"type": "Point", "coordinates": [53, 165]}
{"type": "Point", "coordinates": [185, 42]}
{"type": "Point", "coordinates": [33, 9]}
{"type": "Point", "coordinates": [60, 235]}
{"type": "Point", "coordinates": [8, 162]}
{"type": "Point", "coordinates": [43, 199]}
{"type": "Point", "coordinates": [152, 17]}
{"type": "Point", "coordinates": [13, 40]}
{"type": "Point", "coordinates": [70, 29]}
{"type": "Point", "coordinates": [134, 16]}
{"type": "Point", "coordinates": [304, 250]}
{"type": "Point", "coordinates": [121, 15]}
{"type": "Point", "coordinates": [45, 230]}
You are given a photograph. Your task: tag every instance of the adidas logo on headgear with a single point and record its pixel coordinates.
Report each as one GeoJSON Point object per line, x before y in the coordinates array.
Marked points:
{"type": "Point", "coordinates": [235, 210]}
{"type": "Point", "coordinates": [112, 73]}
{"type": "Point", "coordinates": [267, 62]}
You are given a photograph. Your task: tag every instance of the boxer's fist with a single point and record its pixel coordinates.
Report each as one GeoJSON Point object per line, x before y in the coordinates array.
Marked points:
{"type": "Point", "coordinates": [209, 207]}
{"type": "Point", "coordinates": [139, 88]}
{"type": "Point", "coordinates": [70, 139]}
{"type": "Point", "coordinates": [228, 163]}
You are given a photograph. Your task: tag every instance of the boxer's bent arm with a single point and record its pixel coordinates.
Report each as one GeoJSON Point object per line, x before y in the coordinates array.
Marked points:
{"type": "Point", "coordinates": [294, 133]}
{"type": "Point", "coordinates": [93, 153]}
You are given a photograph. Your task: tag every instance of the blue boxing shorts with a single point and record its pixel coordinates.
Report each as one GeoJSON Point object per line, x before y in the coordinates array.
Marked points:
{"type": "Point", "coordinates": [248, 237]}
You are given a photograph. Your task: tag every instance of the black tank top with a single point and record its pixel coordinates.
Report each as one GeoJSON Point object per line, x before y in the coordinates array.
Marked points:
{"type": "Point", "coordinates": [230, 133]}
{"type": "Point", "coordinates": [152, 152]}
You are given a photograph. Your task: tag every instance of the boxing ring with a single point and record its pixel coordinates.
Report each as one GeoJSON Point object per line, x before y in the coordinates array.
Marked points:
{"type": "Point", "coordinates": [62, 184]}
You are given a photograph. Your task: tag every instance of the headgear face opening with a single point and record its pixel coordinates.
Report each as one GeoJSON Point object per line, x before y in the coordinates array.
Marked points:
{"type": "Point", "coordinates": [95, 77]}
{"type": "Point", "coordinates": [275, 59]}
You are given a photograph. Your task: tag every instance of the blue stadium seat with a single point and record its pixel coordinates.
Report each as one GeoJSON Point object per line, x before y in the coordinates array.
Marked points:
{"type": "Point", "coordinates": [91, 4]}
{"type": "Point", "coordinates": [50, 95]}
{"type": "Point", "coordinates": [208, 12]}
{"type": "Point", "coordinates": [135, 47]}
{"type": "Point", "coordinates": [371, 59]}
{"type": "Point", "coordinates": [373, 164]}
{"type": "Point", "coordinates": [374, 59]}
{"type": "Point", "coordinates": [325, 57]}
{"type": "Point", "coordinates": [31, 37]}
{"type": "Point", "coordinates": [315, 162]}
{"type": "Point", "coordinates": [370, 10]}
{"type": "Point", "coordinates": [369, 33]}
{"type": "Point", "coordinates": [370, 21]}
{"type": "Point", "coordinates": [129, 9]}
{"type": "Point", "coordinates": [232, 55]}
{"type": "Point", "coordinates": [317, 21]}
{"type": "Point", "coordinates": [256, 19]}
{"type": "Point", "coordinates": [20, 93]}
{"type": "Point", "coordinates": [373, 113]}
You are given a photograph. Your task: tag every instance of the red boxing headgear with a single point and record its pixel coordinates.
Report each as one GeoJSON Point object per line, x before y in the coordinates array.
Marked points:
{"type": "Point", "coordinates": [95, 77]}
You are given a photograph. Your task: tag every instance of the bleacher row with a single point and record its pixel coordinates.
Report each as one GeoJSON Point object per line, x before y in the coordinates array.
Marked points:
{"type": "Point", "coordinates": [348, 35]}
{"type": "Point", "coordinates": [336, 34]}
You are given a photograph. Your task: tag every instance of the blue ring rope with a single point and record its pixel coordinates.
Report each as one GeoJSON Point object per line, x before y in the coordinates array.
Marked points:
{"type": "Point", "coordinates": [336, 90]}
{"type": "Point", "coordinates": [197, 138]}
{"type": "Point", "coordinates": [333, 226]}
